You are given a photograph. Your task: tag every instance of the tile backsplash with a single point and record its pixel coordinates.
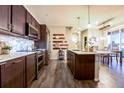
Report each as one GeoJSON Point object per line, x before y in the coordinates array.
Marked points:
{"type": "Point", "coordinates": [17, 43]}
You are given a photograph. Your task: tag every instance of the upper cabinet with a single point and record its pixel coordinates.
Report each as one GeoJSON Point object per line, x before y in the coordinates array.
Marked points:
{"type": "Point", "coordinates": [5, 17]}
{"type": "Point", "coordinates": [44, 41]}
{"type": "Point", "coordinates": [18, 19]}
{"type": "Point", "coordinates": [13, 19]}
{"type": "Point", "coordinates": [31, 20]}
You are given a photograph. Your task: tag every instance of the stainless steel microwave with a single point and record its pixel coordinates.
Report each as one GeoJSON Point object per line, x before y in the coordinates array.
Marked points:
{"type": "Point", "coordinates": [31, 31]}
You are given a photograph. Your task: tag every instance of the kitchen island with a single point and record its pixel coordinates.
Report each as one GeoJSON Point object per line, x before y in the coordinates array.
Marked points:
{"type": "Point", "coordinates": [84, 65]}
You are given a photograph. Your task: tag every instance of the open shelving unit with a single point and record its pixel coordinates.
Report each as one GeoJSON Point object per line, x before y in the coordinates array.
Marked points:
{"type": "Point", "coordinates": [59, 42]}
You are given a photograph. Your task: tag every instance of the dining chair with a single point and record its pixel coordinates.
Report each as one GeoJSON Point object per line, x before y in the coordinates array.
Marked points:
{"type": "Point", "coordinates": [107, 57]}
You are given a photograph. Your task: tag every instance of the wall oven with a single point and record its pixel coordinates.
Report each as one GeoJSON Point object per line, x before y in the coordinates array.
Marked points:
{"type": "Point", "coordinates": [40, 61]}
{"type": "Point", "coordinates": [31, 31]}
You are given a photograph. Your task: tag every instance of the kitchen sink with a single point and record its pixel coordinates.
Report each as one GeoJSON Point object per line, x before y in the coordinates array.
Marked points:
{"type": "Point", "coordinates": [76, 50]}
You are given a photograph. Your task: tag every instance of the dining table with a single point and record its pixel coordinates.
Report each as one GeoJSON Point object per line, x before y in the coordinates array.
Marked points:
{"type": "Point", "coordinates": [110, 52]}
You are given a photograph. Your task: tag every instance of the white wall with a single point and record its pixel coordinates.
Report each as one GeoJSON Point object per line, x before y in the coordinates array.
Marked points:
{"type": "Point", "coordinates": [68, 38]}
{"type": "Point", "coordinates": [55, 30]}
{"type": "Point", "coordinates": [69, 34]}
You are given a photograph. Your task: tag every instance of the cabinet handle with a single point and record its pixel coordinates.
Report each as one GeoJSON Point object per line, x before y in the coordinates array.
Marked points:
{"type": "Point", "coordinates": [12, 27]}
{"type": "Point", "coordinates": [17, 61]}
{"type": "Point", "coordinates": [9, 27]}
{"type": "Point", "coordinates": [3, 64]}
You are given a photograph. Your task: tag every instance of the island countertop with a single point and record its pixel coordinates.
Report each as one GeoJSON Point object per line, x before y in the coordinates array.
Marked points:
{"type": "Point", "coordinates": [79, 52]}
{"type": "Point", "coordinates": [10, 56]}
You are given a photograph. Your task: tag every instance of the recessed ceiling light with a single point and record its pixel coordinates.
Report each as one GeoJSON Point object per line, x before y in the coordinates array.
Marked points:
{"type": "Point", "coordinates": [96, 22]}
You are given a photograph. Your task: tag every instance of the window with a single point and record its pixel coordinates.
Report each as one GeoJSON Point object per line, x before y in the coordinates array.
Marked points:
{"type": "Point", "coordinates": [115, 39]}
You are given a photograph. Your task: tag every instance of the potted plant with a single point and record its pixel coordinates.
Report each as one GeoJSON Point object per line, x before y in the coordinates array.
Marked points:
{"type": "Point", "coordinates": [6, 49]}
{"type": "Point", "coordinates": [92, 43]}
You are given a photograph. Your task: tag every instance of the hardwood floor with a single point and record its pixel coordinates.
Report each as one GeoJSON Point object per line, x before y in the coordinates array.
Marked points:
{"type": "Point", "coordinates": [58, 75]}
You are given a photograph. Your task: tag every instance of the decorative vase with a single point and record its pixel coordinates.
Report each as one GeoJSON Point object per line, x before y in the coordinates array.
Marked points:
{"type": "Point", "coordinates": [91, 49]}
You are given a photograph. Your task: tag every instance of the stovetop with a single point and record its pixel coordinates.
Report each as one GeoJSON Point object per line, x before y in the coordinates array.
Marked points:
{"type": "Point", "coordinates": [40, 51]}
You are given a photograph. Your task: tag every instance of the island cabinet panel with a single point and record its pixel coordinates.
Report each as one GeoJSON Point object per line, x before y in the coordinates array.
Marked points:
{"type": "Point", "coordinates": [85, 67]}
{"type": "Point", "coordinates": [30, 69]}
{"type": "Point", "coordinates": [18, 19]}
{"type": "Point", "coordinates": [5, 17]}
{"type": "Point", "coordinates": [12, 73]}
{"type": "Point", "coordinates": [81, 66]}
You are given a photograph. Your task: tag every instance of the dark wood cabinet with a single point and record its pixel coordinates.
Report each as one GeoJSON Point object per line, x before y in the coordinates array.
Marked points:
{"type": "Point", "coordinates": [13, 19]}
{"type": "Point", "coordinates": [5, 17]}
{"type": "Point", "coordinates": [71, 61]}
{"type": "Point", "coordinates": [31, 20]}
{"type": "Point", "coordinates": [44, 41]}
{"type": "Point", "coordinates": [12, 73]}
{"type": "Point", "coordinates": [30, 69]}
{"type": "Point", "coordinates": [81, 66]}
{"type": "Point", "coordinates": [18, 19]}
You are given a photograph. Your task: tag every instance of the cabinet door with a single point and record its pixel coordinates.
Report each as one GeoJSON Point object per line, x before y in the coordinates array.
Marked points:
{"type": "Point", "coordinates": [18, 19]}
{"type": "Point", "coordinates": [7, 73]}
{"type": "Point", "coordinates": [5, 15]}
{"type": "Point", "coordinates": [12, 73]}
{"type": "Point", "coordinates": [29, 18]}
{"type": "Point", "coordinates": [30, 69]}
{"type": "Point", "coordinates": [33, 22]}
{"type": "Point", "coordinates": [19, 67]}
{"type": "Point", "coordinates": [37, 26]}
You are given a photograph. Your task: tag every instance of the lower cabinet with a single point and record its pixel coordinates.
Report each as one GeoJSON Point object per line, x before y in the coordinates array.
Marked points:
{"type": "Point", "coordinates": [82, 66]}
{"type": "Point", "coordinates": [71, 61]}
{"type": "Point", "coordinates": [18, 73]}
{"type": "Point", "coordinates": [12, 73]}
{"type": "Point", "coordinates": [30, 69]}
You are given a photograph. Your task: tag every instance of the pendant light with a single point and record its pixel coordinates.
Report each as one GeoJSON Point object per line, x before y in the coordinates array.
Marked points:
{"type": "Point", "coordinates": [79, 28]}
{"type": "Point", "coordinates": [89, 24]}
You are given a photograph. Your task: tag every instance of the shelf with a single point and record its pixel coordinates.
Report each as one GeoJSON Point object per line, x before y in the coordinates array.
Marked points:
{"type": "Point", "coordinates": [58, 34]}
{"type": "Point", "coordinates": [59, 48]}
{"type": "Point", "coordinates": [57, 41]}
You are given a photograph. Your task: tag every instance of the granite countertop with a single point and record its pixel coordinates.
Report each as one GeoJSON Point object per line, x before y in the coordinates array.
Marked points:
{"type": "Point", "coordinates": [79, 52]}
{"type": "Point", "coordinates": [7, 57]}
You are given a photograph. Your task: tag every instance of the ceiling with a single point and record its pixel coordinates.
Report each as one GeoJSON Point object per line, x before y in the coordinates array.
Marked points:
{"type": "Point", "coordinates": [66, 15]}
